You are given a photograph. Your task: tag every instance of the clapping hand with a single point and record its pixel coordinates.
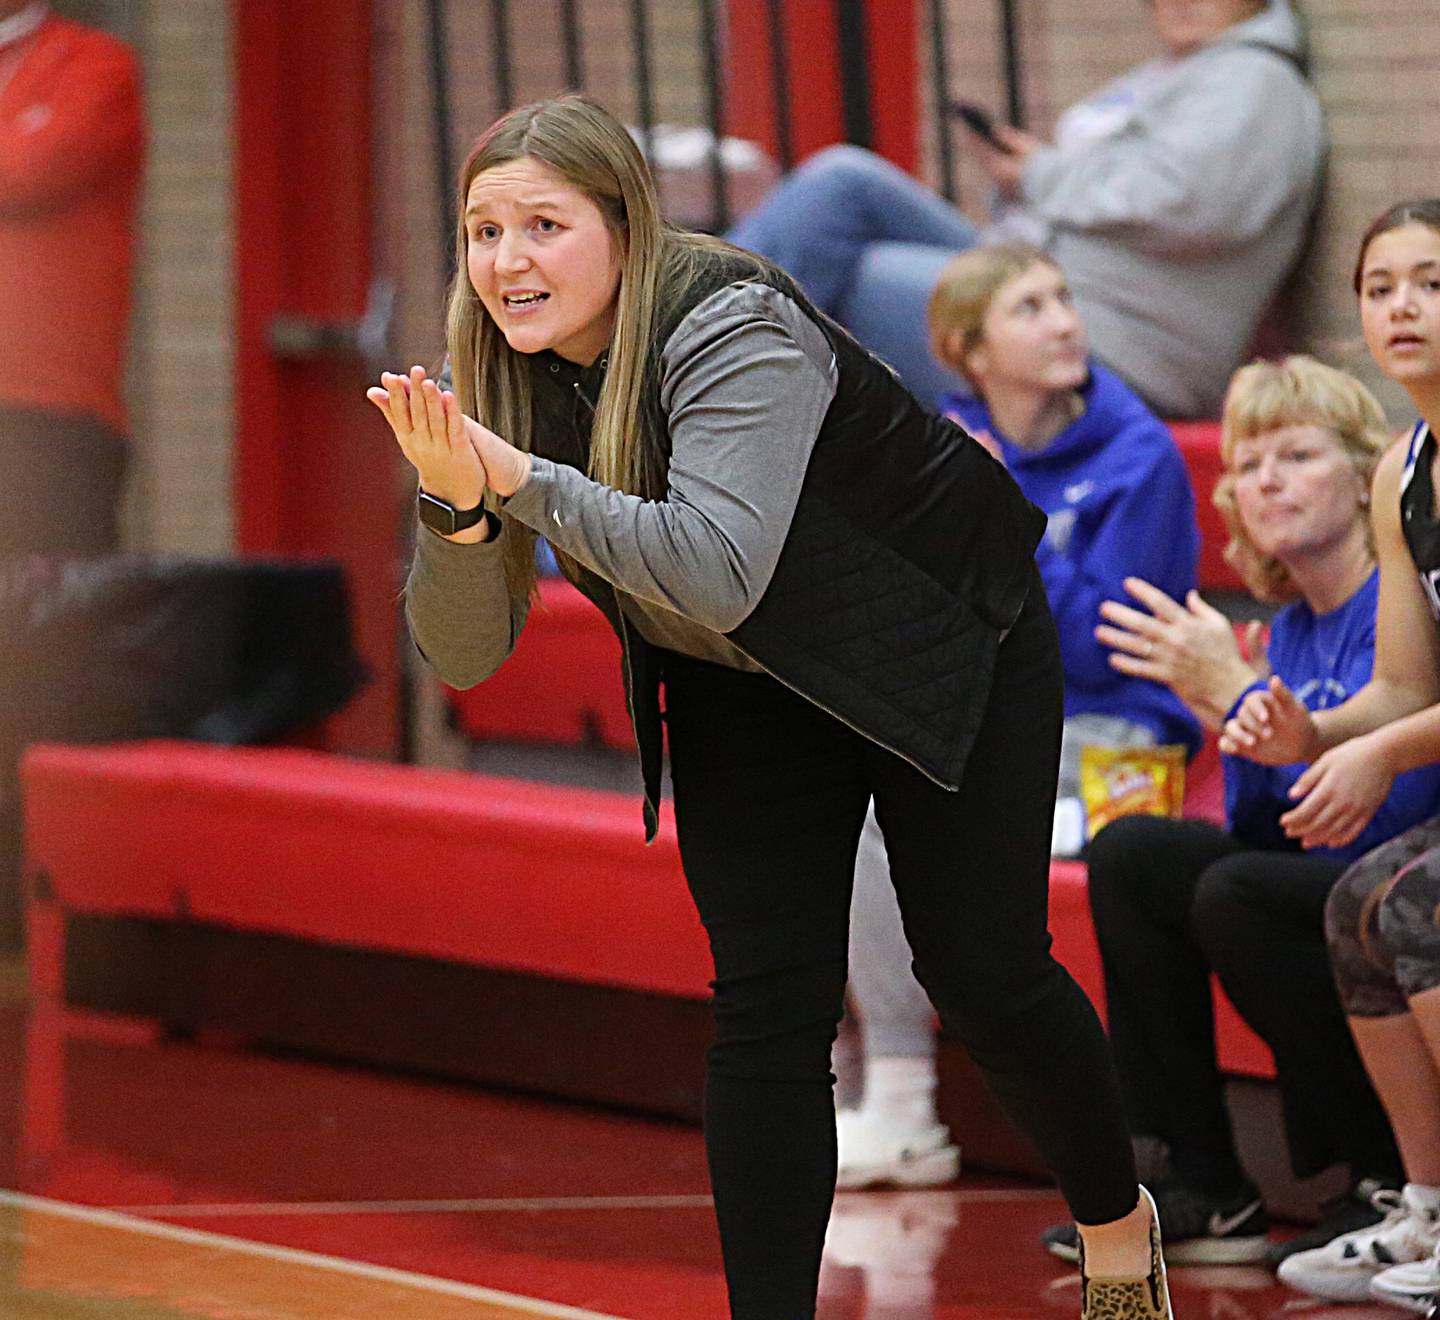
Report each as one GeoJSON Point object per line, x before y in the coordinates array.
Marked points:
{"type": "Point", "coordinates": [1190, 648]}
{"type": "Point", "coordinates": [1272, 727]}
{"type": "Point", "coordinates": [1338, 795]}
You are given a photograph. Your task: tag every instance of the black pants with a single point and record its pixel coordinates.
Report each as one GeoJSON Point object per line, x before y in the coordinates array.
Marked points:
{"type": "Point", "coordinates": [770, 797]}
{"type": "Point", "coordinates": [60, 484]}
{"type": "Point", "coordinates": [1174, 900]}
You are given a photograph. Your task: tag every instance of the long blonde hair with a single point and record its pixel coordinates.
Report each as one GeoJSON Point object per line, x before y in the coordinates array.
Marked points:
{"type": "Point", "coordinates": [583, 143]}
{"type": "Point", "coordinates": [1266, 396]}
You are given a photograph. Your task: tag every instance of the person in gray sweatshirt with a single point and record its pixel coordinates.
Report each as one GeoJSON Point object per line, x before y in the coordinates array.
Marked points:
{"type": "Point", "coordinates": [1176, 199]}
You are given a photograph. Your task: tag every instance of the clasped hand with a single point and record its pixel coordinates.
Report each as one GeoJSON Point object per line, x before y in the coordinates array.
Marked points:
{"type": "Point", "coordinates": [1338, 793]}
{"type": "Point", "coordinates": [454, 456]}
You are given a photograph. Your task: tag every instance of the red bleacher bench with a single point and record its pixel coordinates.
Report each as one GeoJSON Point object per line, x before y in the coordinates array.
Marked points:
{"type": "Point", "coordinates": [550, 881]}
{"type": "Point", "coordinates": [1199, 445]}
{"type": "Point", "coordinates": [568, 652]}
{"type": "Point", "coordinates": [441, 864]}
{"type": "Point", "coordinates": [518, 934]}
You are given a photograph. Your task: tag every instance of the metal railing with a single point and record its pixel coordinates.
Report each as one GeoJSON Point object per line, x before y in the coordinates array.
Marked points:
{"type": "Point", "coordinates": [854, 68]}
{"type": "Point", "coordinates": [574, 67]}
{"type": "Point", "coordinates": [1012, 75]}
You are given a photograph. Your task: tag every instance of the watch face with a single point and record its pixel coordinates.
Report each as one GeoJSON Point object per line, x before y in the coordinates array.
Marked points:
{"type": "Point", "coordinates": [436, 514]}
{"type": "Point", "coordinates": [444, 518]}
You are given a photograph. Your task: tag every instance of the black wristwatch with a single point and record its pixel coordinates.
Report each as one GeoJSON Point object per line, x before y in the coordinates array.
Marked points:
{"type": "Point", "coordinates": [440, 516]}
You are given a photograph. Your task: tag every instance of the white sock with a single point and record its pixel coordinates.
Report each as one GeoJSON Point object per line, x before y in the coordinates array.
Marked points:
{"type": "Point", "coordinates": [1422, 1197]}
{"type": "Point", "coordinates": [901, 1091]}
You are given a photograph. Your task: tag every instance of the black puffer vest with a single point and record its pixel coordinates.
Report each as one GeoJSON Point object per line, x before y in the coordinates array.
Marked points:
{"type": "Point", "coordinates": [908, 557]}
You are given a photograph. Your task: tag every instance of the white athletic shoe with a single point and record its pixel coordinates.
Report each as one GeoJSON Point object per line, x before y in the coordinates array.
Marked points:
{"type": "Point", "coordinates": [1413, 1287]}
{"type": "Point", "coordinates": [1343, 1269]}
{"type": "Point", "coordinates": [875, 1154]}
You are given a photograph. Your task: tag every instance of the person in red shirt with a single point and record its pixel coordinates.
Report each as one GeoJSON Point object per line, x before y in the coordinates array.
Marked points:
{"type": "Point", "coordinates": [71, 154]}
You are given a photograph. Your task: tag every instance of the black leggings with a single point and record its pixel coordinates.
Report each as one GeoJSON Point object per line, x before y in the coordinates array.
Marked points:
{"type": "Point", "coordinates": [770, 797]}
{"type": "Point", "coordinates": [1175, 900]}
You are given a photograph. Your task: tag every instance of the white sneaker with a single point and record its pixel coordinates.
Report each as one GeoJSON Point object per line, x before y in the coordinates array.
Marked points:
{"type": "Point", "coordinates": [1342, 1270]}
{"type": "Point", "coordinates": [874, 1154]}
{"type": "Point", "coordinates": [1414, 1287]}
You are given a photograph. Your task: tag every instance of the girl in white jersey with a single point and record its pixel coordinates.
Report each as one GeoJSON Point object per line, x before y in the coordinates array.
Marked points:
{"type": "Point", "coordinates": [1383, 917]}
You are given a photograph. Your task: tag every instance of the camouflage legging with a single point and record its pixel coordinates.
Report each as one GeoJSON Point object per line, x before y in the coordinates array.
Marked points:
{"type": "Point", "coordinates": [1382, 923]}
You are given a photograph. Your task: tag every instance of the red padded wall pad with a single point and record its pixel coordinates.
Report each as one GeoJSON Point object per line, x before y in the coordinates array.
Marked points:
{"type": "Point", "coordinates": [507, 874]}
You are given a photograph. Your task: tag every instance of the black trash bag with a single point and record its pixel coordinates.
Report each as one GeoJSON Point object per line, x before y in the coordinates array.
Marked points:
{"type": "Point", "coordinates": [228, 651]}
{"type": "Point", "coordinates": [224, 651]}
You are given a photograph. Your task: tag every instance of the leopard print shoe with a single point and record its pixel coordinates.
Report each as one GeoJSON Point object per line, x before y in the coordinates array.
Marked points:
{"type": "Point", "coordinates": [1128, 1299]}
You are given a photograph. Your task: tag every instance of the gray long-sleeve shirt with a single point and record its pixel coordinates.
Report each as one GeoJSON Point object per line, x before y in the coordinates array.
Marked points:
{"type": "Point", "coordinates": [746, 380]}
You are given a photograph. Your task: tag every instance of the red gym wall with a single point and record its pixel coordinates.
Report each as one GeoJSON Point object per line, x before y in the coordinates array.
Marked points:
{"type": "Point", "coordinates": [313, 475]}
{"type": "Point", "coordinates": [891, 31]}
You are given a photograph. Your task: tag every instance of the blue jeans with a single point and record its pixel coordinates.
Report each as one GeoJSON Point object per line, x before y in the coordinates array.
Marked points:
{"type": "Point", "coordinates": [866, 242]}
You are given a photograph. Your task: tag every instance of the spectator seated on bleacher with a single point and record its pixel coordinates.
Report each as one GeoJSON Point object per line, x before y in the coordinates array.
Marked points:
{"type": "Point", "coordinates": [1175, 900]}
{"type": "Point", "coordinates": [1084, 448]}
{"type": "Point", "coordinates": [1176, 199]}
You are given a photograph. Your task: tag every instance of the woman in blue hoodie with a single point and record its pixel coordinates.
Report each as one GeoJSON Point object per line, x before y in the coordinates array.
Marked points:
{"type": "Point", "coordinates": [1083, 447]}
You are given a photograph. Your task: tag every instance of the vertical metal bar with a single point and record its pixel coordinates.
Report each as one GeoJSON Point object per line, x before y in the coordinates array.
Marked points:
{"type": "Point", "coordinates": [780, 83]}
{"type": "Point", "coordinates": [854, 71]}
{"type": "Point", "coordinates": [1014, 70]}
{"type": "Point", "coordinates": [715, 114]}
{"type": "Point", "coordinates": [406, 721]}
{"type": "Point", "coordinates": [440, 117]}
{"type": "Point", "coordinates": [570, 34]}
{"type": "Point", "coordinates": [644, 87]}
{"type": "Point", "coordinates": [940, 91]}
{"type": "Point", "coordinates": [504, 73]}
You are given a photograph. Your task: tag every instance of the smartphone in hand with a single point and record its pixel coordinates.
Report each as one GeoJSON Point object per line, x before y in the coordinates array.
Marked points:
{"type": "Point", "coordinates": [980, 122]}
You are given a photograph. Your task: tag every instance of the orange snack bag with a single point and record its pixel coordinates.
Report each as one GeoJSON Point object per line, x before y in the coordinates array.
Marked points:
{"type": "Point", "coordinates": [1131, 781]}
